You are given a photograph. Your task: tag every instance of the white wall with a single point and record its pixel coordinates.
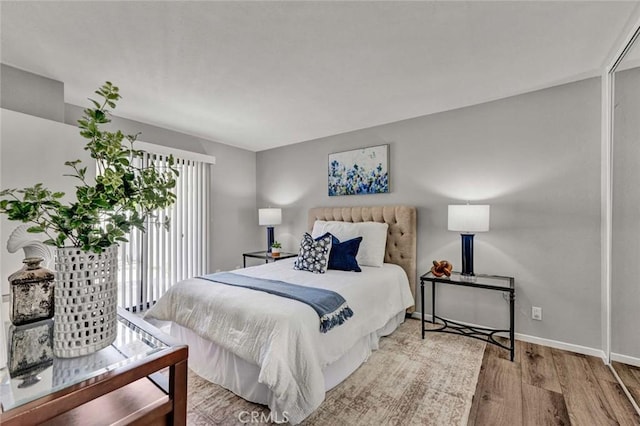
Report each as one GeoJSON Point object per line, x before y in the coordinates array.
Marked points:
{"type": "Point", "coordinates": [34, 151]}
{"type": "Point", "coordinates": [535, 158]}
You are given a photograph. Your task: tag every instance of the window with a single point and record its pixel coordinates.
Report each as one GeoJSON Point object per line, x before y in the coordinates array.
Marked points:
{"type": "Point", "coordinates": [153, 261]}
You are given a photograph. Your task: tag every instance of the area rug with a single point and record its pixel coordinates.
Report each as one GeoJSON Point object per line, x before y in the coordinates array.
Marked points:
{"type": "Point", "coordinates": [408, 381]}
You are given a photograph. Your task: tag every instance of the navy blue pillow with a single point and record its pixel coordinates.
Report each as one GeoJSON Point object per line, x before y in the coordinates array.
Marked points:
{"type": "Point", "coordinates": [343, 255]}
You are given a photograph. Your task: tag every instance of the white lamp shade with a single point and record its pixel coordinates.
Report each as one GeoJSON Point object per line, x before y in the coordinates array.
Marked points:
{"type": "Point", "coordinates": [468, 218]}
{"type": "Point", "coordinates": [269, 217]}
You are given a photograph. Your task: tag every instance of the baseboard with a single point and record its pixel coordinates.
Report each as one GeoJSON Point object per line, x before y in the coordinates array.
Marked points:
{"type": "Point", "coordinates": [625, 359]}
{"type": "Point", "coordinates": [584, 350]}
{"type": "Point", "coordinates": [416, 315]}
{"type": "Point", "coordinates": [571, 347]}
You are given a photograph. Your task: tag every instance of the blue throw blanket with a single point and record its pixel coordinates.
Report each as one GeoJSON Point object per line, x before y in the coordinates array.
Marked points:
{"type": "Point", "coordinates": [330, 306]}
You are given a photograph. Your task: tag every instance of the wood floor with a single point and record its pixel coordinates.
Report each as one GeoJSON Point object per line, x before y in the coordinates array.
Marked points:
{"type": "Point", "coordinates": [630, 376]}
{"type": "Point", "coordinates": [545, 386]}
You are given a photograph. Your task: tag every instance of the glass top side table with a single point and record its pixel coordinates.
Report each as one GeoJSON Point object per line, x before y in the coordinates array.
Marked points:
{"type": "Point", "coordinates": [35, 377]}
{"type": "Point", "coordinates": [266, 256]}
{"type": "Point", "coordinates": [487, 282]}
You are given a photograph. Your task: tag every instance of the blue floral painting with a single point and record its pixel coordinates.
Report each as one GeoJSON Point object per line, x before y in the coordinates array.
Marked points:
{"type": "Point", "coordinates": [360, 171]}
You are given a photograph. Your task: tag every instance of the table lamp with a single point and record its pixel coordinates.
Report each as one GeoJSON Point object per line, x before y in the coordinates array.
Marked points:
{"type": "Point", "coordinates": [269, 217]}
{"type": "Point", "coordinates": [468, 219]}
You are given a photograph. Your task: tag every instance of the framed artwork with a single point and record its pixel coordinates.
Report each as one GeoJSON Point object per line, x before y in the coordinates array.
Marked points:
{"type": "Point", "coordinates": [359, 171]}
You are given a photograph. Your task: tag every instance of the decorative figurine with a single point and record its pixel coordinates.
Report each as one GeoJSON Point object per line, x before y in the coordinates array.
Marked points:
{"type": "Point", "coordinates": [32, 246]}
{"type": "Point", "coordinates": [31, 289]}
{"type": "Point", "coordinates": [31, 292]}
{"type": "Point", "coordinates": [441, 268]}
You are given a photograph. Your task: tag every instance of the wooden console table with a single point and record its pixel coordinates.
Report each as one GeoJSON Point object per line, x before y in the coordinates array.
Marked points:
{"type": "Point", "coordinates": [140, 379]}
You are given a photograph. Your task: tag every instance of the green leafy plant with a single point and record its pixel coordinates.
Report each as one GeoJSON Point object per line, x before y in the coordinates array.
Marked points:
{"type": "Point", "coordinates": [123, 196]}
{"type": "Point", "coordinates": [276, 245]}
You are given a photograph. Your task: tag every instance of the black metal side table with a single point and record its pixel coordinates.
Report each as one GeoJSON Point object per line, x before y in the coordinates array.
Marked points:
{"type": "Point", "coordinates": [488, 282]}
{"type": "Point", "coordinates": [266, 256]}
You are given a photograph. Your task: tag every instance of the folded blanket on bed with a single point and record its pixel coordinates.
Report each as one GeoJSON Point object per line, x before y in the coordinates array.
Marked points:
{"type": "Point", "coordinates": [330, 306]}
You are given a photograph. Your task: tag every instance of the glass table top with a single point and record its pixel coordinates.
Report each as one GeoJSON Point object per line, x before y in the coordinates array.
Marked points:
{"type": "Point", "coordinates": [493, 281]}
{"type": "Point", "coordinates": [33, 371]}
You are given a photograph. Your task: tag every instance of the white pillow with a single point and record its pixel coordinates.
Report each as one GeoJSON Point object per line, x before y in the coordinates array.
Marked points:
{"type": "Point", "coordinates": [374, 238]}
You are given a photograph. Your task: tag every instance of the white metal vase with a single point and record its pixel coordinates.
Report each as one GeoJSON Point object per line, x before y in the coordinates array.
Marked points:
{"type": "Point", "coordinates": [86, 298]}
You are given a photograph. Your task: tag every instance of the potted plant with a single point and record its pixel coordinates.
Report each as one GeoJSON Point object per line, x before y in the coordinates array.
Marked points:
{"type": "Point", "coordinates": [275, 249]}
{"type": "Point", "coordinates": [86, 230]}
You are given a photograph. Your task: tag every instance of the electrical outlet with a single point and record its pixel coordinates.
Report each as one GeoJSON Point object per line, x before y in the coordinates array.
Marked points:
{"type": "Point", "coordinates": [536, 313]}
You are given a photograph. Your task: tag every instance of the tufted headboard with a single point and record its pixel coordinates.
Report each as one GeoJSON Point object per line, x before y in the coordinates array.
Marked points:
{"type": "Point", "coordinates": [401, 241]}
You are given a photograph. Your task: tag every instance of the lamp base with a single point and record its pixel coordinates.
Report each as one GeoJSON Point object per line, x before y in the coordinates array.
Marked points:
{"type": "Point", "coordinates": [467, 254]}
{"type": "Point", "coordinates": [269, 238]}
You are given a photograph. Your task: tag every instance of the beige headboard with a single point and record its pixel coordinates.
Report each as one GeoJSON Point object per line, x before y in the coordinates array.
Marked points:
{"type": "Point", "coordinates": [401, 241]}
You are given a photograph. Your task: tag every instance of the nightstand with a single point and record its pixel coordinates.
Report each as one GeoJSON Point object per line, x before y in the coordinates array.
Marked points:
{"type": "Point", "coordinates": [266, 256]}
{"type": "Point", "coordinates": [487, 282]}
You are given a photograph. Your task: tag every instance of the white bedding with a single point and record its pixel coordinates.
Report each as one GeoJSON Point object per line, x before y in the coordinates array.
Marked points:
{"type": "Point", "coordinates": [281, 335]}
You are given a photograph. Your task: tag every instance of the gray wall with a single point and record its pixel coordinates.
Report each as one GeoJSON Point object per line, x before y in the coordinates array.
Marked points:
{"type": "Point", "coordinates": [31, 94]}
{"type": "Point", "coordinates": [233, 185]}
{"type": "Point", "coordinates": [625, 280]}
{"type": "Point", "coordinates": [535, 158]}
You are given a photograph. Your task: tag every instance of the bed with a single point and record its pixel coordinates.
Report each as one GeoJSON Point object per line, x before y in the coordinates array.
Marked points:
{"type": "Point", "coordinates": [268, 349]}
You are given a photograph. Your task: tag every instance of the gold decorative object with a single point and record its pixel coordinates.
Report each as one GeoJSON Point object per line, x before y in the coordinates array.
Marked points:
{"type": "Point", "coordinates": [441, 268]}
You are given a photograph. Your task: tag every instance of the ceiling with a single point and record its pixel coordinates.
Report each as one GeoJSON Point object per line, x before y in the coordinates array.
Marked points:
{"type": "Point", "coordinates": [258, 75]}
{"type": "Point", "coordinates": [631, 58]}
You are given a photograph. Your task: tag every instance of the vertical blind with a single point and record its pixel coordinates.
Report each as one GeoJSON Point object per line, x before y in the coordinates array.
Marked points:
{"type": "Point", "coordinates": [154, 260]}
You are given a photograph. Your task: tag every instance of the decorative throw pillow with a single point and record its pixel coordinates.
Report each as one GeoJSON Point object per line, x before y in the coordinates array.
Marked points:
{"type": "Point", "coordinates": [313, 255]}
{"type": "Point", "coordinates": [374, 238]}
{"type": "Point", "coordinates": [343, 254]}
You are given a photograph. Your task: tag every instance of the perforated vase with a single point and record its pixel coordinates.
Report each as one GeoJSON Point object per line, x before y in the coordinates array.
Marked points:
{"type": "Point", "coordinates": [86, 297]}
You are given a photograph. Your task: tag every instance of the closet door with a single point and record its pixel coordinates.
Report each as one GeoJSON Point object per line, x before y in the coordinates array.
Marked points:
{"type": "Point", "coordinates": [625, 254]}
